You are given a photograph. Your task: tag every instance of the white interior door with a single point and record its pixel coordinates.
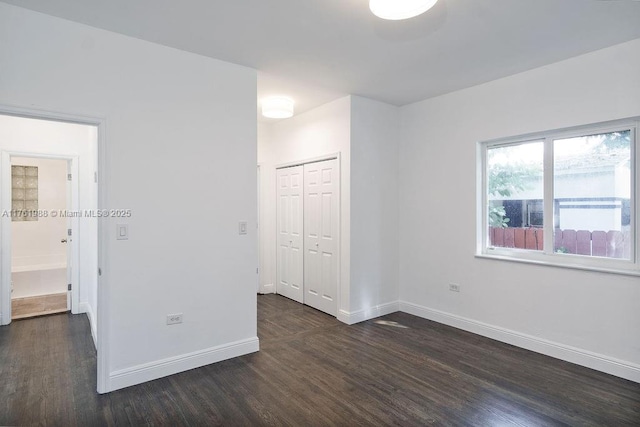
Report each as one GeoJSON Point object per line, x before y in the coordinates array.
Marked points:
{"type": "Point", "coordinates": [289, 215]}
{"type": "Point", "coordinates": [68, 238]}
{"type": "Point", "coordinates": [321, 225]}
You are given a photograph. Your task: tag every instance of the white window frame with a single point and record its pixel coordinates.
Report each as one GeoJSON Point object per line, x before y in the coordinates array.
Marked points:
{"type": "Point", "coordinates": [547, 256]}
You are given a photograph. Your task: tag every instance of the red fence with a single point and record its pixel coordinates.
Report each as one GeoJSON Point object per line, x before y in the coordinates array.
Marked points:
{"type": "Point", "coordinates": [611, 244]}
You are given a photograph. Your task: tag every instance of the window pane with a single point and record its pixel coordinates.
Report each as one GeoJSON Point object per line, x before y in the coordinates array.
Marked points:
{"type": "Point", "coordinates": [514, 195]}
{"type": "Point", "coordinates": [24, 193]}
{"type": "Point", "coordinates": [592, 195]}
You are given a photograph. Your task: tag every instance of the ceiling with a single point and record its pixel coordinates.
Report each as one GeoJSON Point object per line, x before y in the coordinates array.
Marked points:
{"type": "Point", "coordinates": [318, 50]}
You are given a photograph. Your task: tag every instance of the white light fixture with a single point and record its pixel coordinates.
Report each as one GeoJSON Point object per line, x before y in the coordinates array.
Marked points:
{"type": "Point", "coordinates": [400, 9]}
{"type": "Point", "coordinates": [277, 107]}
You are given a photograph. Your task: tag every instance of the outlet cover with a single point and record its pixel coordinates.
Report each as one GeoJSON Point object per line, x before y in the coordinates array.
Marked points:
{"type": "Point", "coordinates": [174, 319]}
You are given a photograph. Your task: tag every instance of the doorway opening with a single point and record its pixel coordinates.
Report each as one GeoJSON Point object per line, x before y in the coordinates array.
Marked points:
{"type": "Point", "coordinates": [80, 141]}
{"type": "Point", "coordinates": [49, 189]}
{"type": "Point", "coordinates": [40, 251]}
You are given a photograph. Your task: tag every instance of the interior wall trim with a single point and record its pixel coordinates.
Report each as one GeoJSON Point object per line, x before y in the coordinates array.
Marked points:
{"type": "Point", "coordinates": [351, 318]}
{"type": "Point", "coordinates": [269, 288]}
{"type": "Point", "coordinates": [161, 368]}
{"type": "Point", "coordinates": [85, 307]}
{"type": "Point", "coordinates": [599, 362]}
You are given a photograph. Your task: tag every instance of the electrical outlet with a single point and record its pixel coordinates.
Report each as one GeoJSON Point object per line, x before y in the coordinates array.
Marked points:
{"type": "Point", "coordinates": [174, 319]}
{"type": "Point", "coordinates": [454, 287]}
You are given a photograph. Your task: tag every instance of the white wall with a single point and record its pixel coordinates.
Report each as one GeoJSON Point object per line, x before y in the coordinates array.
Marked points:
{"type": "Point", "coordinates": [38, 282]}
{"type": "Point", "coordinates": [36, 244]}
{"type": "Point", "coordinates": [322, 131]}
{"type": "Point", "coordinates": [180, 148]}
{"type": "Point", "coordinates": [552, 310]}
{"type": "Point", "coordinates": [365, 133]}
{"type": "Point", "coordinates": [41, 137]}
{"type": "Point", "coordinates": [374, 208]}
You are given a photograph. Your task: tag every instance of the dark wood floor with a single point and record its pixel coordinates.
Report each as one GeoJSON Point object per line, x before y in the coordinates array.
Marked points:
{"type": "Point", "coordinates": [313, 370]}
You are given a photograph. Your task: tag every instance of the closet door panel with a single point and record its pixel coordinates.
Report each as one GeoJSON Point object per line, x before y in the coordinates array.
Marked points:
{"type": "Point", "coordinates": [321, 225]}
{"type": "Point", "coordinates": [289, 214]}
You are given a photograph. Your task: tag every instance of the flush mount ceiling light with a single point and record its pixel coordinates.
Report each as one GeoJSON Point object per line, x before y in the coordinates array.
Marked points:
{"type": "Point", "coordinates": [277, 107]}
{"type": "Point", "coordinates": [400, 9]}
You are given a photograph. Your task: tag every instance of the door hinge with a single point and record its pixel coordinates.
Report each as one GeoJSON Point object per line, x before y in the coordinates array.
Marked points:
{"type": "Point", "coordinates": [68, 232]}
{"type": "Point", "coordinates": [95, 177]}
{"type": "Point", "coordinates": [69, 287]}
{"type": "Point", "coordinates": [257, 271]}
{"type": "Point", "coordinates": [99, 272]}
{"type": "Point", "coordinates": [68, 177]}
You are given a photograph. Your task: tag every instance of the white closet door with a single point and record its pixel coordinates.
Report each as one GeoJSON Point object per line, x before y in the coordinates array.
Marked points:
{"type": "Point", "coordinates": [289, 214]}
{"type": "Point", "coordinates": [321, 225]}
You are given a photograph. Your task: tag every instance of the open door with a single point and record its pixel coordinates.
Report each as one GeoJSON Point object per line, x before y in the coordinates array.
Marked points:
{"type": "Point", "coordinates": [68, 239]}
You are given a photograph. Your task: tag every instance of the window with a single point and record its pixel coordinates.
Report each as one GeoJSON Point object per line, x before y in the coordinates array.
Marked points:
{"type": "Point", "coordinates": [24, 193]}
{"type": "Point", "coordinates": [564, 197]}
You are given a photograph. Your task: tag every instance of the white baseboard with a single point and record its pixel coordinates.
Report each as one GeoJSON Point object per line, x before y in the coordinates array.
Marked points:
{"type": "Point", "coordinates": [269, 288]}
{"type": "Point", "coordinates": [173, 365]}
{"type": "Point", "coordinates": [351, 318]}
{"type": "Point", "coordinates": [599, 362]}
{"type": "Point", "coordinates": [84, 307]}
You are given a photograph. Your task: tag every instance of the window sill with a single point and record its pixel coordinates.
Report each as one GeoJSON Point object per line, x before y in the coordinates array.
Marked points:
{"type": "Point", "coordinates": [556, 263]}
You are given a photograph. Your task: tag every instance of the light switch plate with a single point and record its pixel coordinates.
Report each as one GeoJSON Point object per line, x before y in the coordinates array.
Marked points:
{"type": "Point", "coordinates": [122, 231]}
{"type": "Point", "coordinates": [242, 227]}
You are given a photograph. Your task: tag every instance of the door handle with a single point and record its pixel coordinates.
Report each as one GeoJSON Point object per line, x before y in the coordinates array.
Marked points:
{"type": "Point", "coordinates": [63, 241]}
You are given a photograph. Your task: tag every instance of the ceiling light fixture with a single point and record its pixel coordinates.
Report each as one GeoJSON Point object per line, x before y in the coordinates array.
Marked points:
{"type": "Point", "coordinates": [277, 107]}
{"type": "Point", "coordinates": [400, 9]}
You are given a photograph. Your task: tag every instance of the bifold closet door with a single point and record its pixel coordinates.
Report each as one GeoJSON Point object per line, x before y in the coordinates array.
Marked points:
{"type": "Point", "coordinates": [321, 222]}
{"type": "Point", "coordinates": [289, 215]}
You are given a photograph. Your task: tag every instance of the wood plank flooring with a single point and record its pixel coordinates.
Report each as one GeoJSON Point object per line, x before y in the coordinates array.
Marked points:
{"type": "Point", "coordinates": [42, 305]}
{"type": "Point", "coordinates": [313, 371]}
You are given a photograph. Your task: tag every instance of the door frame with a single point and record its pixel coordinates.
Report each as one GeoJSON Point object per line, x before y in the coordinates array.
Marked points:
{"type": "Point", "coordinates": [6, 226]}
{"type": "Point", "coordinates": [102, 330]}
{"type": "Point", "coordinates": [330, 156]}
{"type": "Point", "coordinates": [258, 225]}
